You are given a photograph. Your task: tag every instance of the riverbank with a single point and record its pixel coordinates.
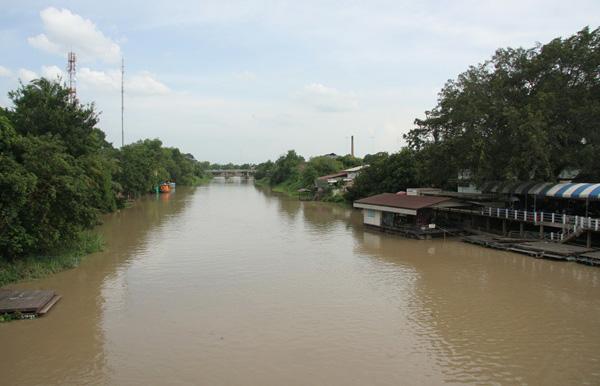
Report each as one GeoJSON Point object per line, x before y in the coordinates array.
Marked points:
{"type": "Point", "coordinates": [35, 267]}
{"type": "Point", "coordinates": [39, 266]}
{"type": "Point", "coordinates": [291, 190]}
{"type": "Point", "coordinates": [287, 187]}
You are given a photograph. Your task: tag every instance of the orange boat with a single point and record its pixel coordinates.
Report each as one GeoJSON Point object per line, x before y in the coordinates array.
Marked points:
{"type": "Point", "coordinates": [165, 188]}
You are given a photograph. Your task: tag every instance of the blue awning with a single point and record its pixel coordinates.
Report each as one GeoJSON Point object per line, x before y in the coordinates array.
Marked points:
{"type": "Point", "coordinates": [571, 190]}
{"type": "Point", "coordinates": [545, 189]}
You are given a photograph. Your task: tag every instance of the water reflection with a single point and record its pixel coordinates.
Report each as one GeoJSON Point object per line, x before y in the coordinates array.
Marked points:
{"type": "Point", "coordinates": [67, 346]}
{"type": "Point", "coordinates": [230, 283]}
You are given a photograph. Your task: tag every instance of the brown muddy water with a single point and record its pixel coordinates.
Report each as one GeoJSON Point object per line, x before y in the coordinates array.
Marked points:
{"type": "Point", "coordinates": [230, 285]}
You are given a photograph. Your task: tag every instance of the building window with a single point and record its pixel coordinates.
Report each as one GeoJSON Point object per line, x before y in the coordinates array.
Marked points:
{"type": "Point", "coordinates": [370, 213]}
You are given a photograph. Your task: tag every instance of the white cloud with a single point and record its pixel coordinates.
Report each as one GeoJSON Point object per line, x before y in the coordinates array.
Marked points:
{"type": "Point", "coordinates": [42, 42]}
{"type": "Point", "coordinates": [66, 31]}
{"type": "Point", "coordinates": [328, 99]}
{"type": "Point", "coordinates": [5, 71]}
{"type": "Point", "coordinates": [52, 72]}
{"type": "Point", "coordinates": [142, 83]}
{"type": "Point", "coordinates": [103, 80]}
{"type": "Point", "coordinates": [145, 83]}
{"type": "Point", "coordinates": [27, 76]}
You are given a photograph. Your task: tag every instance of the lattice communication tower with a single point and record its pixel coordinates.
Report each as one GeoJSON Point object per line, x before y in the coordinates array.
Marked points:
{"type": "Point", "coordinates": [72, 73]}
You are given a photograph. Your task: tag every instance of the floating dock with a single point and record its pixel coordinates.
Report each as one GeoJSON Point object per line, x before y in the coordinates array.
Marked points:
{"type": "Point", "coordinates": [35, 303]}
{"type": "Point", "coordinates": [537, 248]}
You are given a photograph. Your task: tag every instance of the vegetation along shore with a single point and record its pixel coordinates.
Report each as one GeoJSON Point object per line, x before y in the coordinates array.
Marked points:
{"type": "Point", "coordinates": [58, 174]}
{"type": "Point", "coordinates": [523, 115]}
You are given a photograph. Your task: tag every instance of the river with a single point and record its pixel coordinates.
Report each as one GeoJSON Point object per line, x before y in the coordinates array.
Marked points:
{"type": "Point", "coordinates": [229, 284]}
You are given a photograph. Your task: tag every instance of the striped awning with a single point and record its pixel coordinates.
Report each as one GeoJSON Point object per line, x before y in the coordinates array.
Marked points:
{"type": "Point", "coordinates": [545, 189]}
{"type": "Point", "coordinates": [570, 190]}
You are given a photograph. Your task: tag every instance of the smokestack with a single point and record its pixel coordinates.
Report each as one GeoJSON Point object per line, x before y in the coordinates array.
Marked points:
{"type": "Point", "coordinates": [352, 145]}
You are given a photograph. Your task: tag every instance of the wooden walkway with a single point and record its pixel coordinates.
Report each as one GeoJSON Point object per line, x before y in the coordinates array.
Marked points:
{"type": "Point", "coordinates": [538, 249]}
{"type": "Point", "coordinates": [36, 302]}
{"type": "Point", "coordinates": [592, 258]}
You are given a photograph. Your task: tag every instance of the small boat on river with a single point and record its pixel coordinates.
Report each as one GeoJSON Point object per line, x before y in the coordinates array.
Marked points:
{"type": "Point", "coordinates": [164, 187]}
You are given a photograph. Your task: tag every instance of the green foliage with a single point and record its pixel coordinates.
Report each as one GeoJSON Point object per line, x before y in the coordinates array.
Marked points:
{"type": "Point", "coordinates": [65, 257]}
{"type": "Point", "coordinates": [372, 158]}
{"type": "Point", "coordinates": [145, 164]}
{"type": "Point", "coordinates": [291, 172]}
{"type": "Point", "coordinates": [229, 166]}
{"type": "Point", "coordinates": [348, 161]}
{"type": "Point", "coordinates": [58, 173]}
{"type": "Point", "coordinates": [264, 170]}
{"type": "Point", "coordinates": [286, 168]}
{"type": "Point", "coordinates": [524, 114]}
{"type": "Point", "coordinates": [43, 107]}
{"type": "Point", "coordinates": [141, 167]}
{"type": "Point", "coordinates": [319, 166]}
{"type": "Point", "coordinates": [393, 173]}
{"type": "Point", "coordinates": [46, 193]}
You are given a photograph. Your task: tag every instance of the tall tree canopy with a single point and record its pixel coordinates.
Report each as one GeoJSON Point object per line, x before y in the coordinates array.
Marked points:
{"type": "Point", "coordinates": [58, 173]}
{"type": "Point", "coordinates": [524, 114]}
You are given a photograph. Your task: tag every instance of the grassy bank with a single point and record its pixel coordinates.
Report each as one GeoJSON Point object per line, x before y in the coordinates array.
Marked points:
{"type": "Point", "coordinates": [263, 182]}
{"type": "Point", "coordinates": [35, 267]}
{"type": "Point", "coordinates": [289, 188]}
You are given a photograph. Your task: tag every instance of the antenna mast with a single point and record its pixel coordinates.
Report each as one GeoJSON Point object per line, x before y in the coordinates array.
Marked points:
{"type": "Point", "coordinates": [122, 100]}
{"type": "Point", "coordinates": [71, 70]}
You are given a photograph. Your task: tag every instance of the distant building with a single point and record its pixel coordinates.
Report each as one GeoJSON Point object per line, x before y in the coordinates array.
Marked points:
{"type": "Point", "coordinates": [568, 175]}
{"type": "Point", "coordinates": [465, 183]}
{"type": "Point", "coordinates": [341, 180]}
{"type": "Point", "coordinates": [355, 171]}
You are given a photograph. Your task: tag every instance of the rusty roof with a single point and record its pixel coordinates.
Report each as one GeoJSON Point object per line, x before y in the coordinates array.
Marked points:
{"type": "Point", "coordinates": [402, 201]}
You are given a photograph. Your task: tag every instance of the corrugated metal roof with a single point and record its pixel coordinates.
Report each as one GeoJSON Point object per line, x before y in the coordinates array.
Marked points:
{"type": "Point", "coordinates": [355, 169]}
{"type": "Point", "coordinates": [336, 175]}
{"type": "Point", "coordinates": [402, 201]}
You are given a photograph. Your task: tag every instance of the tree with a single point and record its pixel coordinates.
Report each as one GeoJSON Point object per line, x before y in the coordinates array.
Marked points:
{"type": "Point", "coordinates": [319, 166]}
{"type": "Point", "coordinates": [386, 174]}
{"type": "Point", "coordinates": [286, 168]}
{"type": "Point", "coordinates": [43, 108]}
{"type": "Point", "coordinates": [46, 194]}
{"type": "Point", "coordinates": [142, 167]}
{"type": "Point", "coordinates": [264, 170]}
{"type": "Point", "coordinates": [525, 114]}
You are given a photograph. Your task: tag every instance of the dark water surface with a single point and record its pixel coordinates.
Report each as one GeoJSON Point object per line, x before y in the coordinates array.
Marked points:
{"type": "Point", "coordinates": [230, 285]}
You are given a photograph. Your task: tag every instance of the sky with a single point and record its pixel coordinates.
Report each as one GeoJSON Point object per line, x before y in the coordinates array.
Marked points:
{"type": "Point", "coordinates": [245, 81]}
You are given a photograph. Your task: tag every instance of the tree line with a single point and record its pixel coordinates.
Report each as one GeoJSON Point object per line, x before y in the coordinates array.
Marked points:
{"type": "Point", "coordinates": [58, 173]}
{"type": "Point", "coordinates": [291, 171]}
{"type": "Point", "coordinates": [523, 115]}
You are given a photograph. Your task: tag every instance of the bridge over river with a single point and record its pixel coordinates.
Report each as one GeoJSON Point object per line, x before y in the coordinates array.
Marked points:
{"type": "Point", "coordinates": [244, 173]}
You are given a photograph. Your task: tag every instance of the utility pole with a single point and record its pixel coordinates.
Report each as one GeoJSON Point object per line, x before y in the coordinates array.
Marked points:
{"type": "Point", "coordinates": [352, 145]}
{"type": "Point", "coordinates": [122, 101]}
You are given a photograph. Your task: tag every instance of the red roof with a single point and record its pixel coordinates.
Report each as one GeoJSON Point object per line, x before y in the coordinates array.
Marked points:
{"type": "Point", "coordinates": [402, 201]}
